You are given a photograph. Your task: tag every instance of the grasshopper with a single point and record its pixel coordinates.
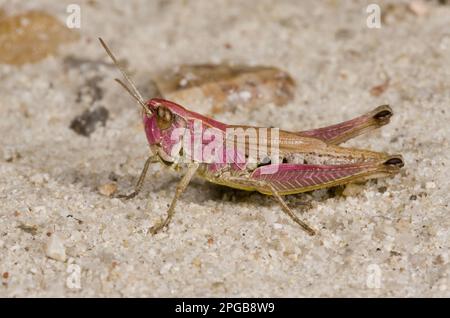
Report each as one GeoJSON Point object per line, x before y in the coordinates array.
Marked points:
{"type": "Point", "coordinates": [296, 161]}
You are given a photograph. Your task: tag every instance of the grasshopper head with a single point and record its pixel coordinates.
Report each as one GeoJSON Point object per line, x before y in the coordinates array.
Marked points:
{"type": "Point", "coordinates": [161, 112]}
{"type": "Point", "coordinates": [161, 118]}
{"type": "Point", "coordinates": [164, 122]}
{"type": "Point", "coordinates": [167, 124]}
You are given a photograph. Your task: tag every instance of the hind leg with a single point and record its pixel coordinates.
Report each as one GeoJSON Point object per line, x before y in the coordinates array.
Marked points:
{"type": "Point", "coordinates": [342, 132]}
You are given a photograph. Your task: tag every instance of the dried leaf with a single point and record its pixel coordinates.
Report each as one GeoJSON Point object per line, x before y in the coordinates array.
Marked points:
{"type": "Point", "coordinates": [31, 36]}
{"type": "Point", "coordinates": [223, 87]}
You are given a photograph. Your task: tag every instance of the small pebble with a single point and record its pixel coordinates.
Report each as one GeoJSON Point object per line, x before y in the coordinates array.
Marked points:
{"type": "Point", "coordinates": [418, 7]}
{"type": "Point", "coordinates": [245, 95]}
{"type": "Point", "coordinates": [430, 185]}
{"type": "Point", "coordinates": [55, 248]}
{"type": "Point", "coordinates": [108, 189]}
{"type": "Point", "coordinates": [277, 226]}
{"type": "Point", "coordinates": [197, 262]}
{"type": "Point", "coordinates": [352, 190]}
{"type": "Point", "coordinates": [183, 82]}
{"type": "Point", "coordinates": [165, 268]}
{"type": "Point", "coordinates": [39, 178]}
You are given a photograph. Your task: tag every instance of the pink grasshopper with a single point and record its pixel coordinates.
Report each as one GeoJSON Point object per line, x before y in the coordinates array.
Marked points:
{"type": "Point", "coordinates": [303, 161]}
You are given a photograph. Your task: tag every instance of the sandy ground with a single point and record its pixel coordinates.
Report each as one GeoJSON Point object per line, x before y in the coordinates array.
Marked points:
{"type": "Point", "coordinates": [390, 239]}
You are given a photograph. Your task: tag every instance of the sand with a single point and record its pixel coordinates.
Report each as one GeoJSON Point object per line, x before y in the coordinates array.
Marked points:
{"type": "Point", "coordinates": [60, 237]}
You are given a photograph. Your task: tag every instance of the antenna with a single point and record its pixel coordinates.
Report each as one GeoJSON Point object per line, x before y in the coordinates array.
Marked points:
{"type": "Point", "coordinates": [130, 92]}
{"type": "Point", "coordinates": [133, 91]}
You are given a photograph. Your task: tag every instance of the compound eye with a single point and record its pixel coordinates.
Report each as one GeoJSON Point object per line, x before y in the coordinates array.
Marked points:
{"type": "Point", "coordinates": [164, 117]}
